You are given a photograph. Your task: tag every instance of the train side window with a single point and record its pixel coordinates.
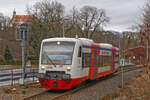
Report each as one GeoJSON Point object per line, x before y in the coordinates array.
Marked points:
{"type": "Point", "coordinates": [86, 59]}
{"type": "Point", "coordinates": [107, 60]}
{"type": "Point", "coordinates": [100, 61]}
{"type": "Point", "coordinates": [80, 52]}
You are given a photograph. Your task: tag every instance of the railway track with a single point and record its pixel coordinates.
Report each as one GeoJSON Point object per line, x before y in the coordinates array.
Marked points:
{"type": "Point", "coordinates": [54, 95]}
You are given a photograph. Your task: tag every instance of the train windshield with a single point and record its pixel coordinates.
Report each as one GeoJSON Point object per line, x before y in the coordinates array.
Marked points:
{"type": "Point", "coordinates": [57, 53]}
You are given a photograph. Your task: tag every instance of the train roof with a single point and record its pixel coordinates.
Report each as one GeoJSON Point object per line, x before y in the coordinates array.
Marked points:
{"type": "Point", "coordinates": [84, 41]}
{"type": "Point", "coordinates": [105, 45]}
{"type": "Point", "coordinates": [59, 39]}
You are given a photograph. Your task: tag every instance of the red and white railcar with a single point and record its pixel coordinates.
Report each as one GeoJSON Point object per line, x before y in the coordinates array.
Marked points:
{"type": "Point", "coordinates": [67, 62]}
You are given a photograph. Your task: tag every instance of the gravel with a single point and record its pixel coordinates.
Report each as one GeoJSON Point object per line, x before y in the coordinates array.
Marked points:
{"type": "Point", "coordinates": [101, 88]}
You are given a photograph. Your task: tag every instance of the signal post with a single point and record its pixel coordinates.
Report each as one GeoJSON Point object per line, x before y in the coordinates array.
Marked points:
{"type": "Point", "coordinates": [23, 37]}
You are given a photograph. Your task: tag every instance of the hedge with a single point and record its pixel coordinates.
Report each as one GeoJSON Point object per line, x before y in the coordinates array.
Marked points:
{"type": "Point", "coordinates": [16, 62]}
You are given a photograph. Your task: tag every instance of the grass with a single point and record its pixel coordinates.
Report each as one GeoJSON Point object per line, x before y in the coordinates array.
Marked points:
{"type": "Point", "coordinates": [10, 67]}
{"type": "Point", "coordinates": [136, 89]}
{"type": "Point", "coordinates": [110, 96]}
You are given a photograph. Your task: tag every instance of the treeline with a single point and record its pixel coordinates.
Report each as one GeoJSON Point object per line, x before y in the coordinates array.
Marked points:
{"type": "Point", "coordinates": [51, 20]}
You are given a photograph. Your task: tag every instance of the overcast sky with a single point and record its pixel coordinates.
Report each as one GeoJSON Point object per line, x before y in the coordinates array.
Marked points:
{"type": "Point", "coordinates": [123, 13]}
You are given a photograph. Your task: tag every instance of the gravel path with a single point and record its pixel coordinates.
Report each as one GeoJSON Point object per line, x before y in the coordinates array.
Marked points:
{"type": "Point", "coordinates": [101, 88]}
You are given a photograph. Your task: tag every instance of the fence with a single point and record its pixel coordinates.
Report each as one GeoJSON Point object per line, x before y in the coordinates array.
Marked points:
{"type": "Point", "coordinates": [5, 67]}
{"type": "Point", "coordinates": [11, 77]}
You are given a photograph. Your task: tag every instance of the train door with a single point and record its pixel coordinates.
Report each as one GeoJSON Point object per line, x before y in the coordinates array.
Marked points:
{"type": "Point", "coordinates": [113, 59]}
{"type": "Point", "coordinates": [94, 64]}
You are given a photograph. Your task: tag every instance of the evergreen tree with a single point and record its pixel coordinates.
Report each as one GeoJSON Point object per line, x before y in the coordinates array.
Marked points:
{"type": "Point", "coordinates": [7, 54]}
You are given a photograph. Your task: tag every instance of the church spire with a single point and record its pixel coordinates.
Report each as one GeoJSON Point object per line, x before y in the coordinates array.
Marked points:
{"type": "Point", "coordinates": [14, 12]}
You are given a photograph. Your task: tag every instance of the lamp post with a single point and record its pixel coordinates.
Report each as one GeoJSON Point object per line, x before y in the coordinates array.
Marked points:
{"type": "Point", "coordinates": [63, 25]}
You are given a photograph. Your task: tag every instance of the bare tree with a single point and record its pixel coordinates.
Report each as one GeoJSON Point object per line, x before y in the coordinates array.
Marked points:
{"type": "Point", "coordinates": [4, 21]}
{"type": "Point", "coordinates": [46, 23]}
{"type": "Point", "coordinates": [145, 19]}
{"type": "Point", "coordinates": [49, 13]}
{"type": "Point", "coordinates": [146, 13]}
{"type": "Point", "coordinates": [92, 19]}
{"type": "Point", "coordinates": [73, 25]}
{"type": "Point", "coordinates": [87, 21]}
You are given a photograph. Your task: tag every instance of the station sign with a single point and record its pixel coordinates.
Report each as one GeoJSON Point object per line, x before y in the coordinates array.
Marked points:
{"type": "Point", "coordinates": [23, 31]}
{"type": "Point", "coordinates": [122, 62]}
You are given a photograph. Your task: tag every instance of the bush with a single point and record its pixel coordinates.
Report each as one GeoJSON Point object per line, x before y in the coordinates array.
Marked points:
{"type": "Point", "coordinates": [35, 62]}
{"type": "Point", "coordinates": [10, 62]}
{"type": "Point", "coordinates": [2, 62]}
{"type": "Point", "coordinates": [16, 62]}
{"type": "Point", "coordinates": [1, 57]}
{"type": "Point", "coordinates": [7, 54]}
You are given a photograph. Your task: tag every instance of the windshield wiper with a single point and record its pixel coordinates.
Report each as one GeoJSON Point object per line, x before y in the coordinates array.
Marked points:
{"type": "Point", "coordinates": [50, 59]}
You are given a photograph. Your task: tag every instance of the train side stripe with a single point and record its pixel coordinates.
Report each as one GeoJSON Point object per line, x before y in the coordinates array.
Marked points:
{"type": "Point", "coordinates": [86, 46]}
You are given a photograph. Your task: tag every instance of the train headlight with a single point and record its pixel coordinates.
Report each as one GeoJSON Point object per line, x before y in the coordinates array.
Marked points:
{"type": "Point", "coordinates": [68, 68]}
{"type": "Point", "coordinates": [43, 67]}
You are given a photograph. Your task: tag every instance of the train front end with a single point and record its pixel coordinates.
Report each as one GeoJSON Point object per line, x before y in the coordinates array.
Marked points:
{"type": "Point", "coordinates": [56, 58]}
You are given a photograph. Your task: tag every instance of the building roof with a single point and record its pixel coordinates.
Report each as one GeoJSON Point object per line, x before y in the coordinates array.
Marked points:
{"type": "Point", "coordinates": [137, 51]}
{"type": "Point", "coordinates": [21, 18]}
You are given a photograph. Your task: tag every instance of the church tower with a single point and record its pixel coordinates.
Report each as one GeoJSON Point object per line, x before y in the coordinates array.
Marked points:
{"type": "Point", "coordinates": [14, 12]}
